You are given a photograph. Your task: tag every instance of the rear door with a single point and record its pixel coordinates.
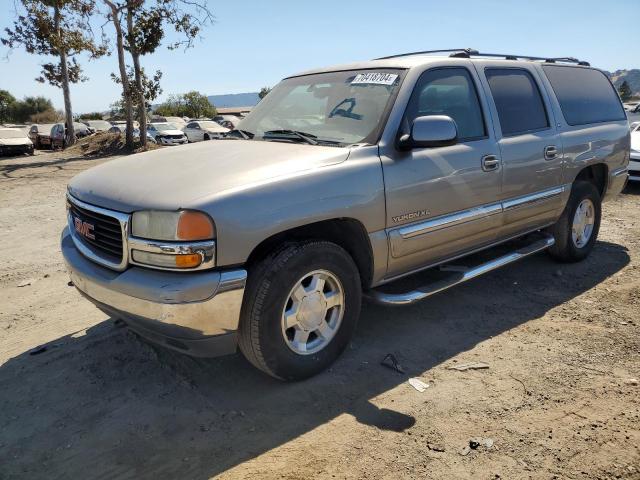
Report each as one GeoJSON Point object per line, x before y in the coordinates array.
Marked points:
{"type": "Point", "coordinates": [193, 132]}
{"type": "Point", "coordinates": [442, 201]}
{"type": "Point", "coordinates": [529, 143]}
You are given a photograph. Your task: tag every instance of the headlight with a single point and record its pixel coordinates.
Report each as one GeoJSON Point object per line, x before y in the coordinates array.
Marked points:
{"type": "Point", "coordinates": [185, 225]}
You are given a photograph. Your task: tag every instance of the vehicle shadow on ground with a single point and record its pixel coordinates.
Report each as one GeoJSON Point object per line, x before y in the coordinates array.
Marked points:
{"type": "Point", "coordinates": [632, 188]}
{"type": "Point", "coordinates": [106, 404]}
{"type": "Point", "coordinates": [7, 170]}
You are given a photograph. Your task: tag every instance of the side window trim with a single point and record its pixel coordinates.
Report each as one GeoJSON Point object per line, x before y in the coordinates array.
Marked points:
{"type": "Point", "coordinates": [550, 121]}
{"type": "Point", "coordinates": [477, 94]}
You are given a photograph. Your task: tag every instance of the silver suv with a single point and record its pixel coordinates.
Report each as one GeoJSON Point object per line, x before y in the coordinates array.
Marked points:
{"type": "Point", "coordinates": [340, 182]}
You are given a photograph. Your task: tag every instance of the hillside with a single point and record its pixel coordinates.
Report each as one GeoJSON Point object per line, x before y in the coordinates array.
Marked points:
{"type": "Point", "coordinates": [631, 76]}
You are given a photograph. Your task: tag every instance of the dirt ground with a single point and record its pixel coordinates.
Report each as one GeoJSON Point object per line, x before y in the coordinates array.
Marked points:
{"type": "Point", "coordinates": [82, 397]}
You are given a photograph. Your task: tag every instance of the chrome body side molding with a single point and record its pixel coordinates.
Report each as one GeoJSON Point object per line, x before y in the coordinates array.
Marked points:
{"type": "Point", "coordinates": [533, 198]}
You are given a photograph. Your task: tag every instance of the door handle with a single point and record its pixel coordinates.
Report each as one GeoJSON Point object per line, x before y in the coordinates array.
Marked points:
{"type": "Point", "coordinates": [490, 163]}
{"type": "Point", "coordinates": [550, 152]}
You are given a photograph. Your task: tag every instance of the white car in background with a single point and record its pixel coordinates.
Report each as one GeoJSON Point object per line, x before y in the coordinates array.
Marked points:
{"type": "Point", "coordinates": [200, 130]}
{"type": "Point", "coordinates": [634, 163]}
{"type": "Point", "coordinates": [14, 141]}
{"type": "Point", "coordinates": [166, 133]}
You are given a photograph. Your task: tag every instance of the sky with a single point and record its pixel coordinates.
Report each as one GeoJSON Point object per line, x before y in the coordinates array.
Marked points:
{"type": "Point", "coordinates": [256, 43]}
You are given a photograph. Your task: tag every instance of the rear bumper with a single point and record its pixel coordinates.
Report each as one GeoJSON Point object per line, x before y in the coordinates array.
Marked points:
{"type": "Point", "coordinates": [195, 313]}
{"type": "Point", "coordinates": [617, 181]}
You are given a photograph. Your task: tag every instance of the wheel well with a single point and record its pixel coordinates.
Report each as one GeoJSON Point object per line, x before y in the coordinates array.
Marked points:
{"type": "Point", "coordinates": [350, 234]}
{"type": "Point", "coordinates": [596, 174]}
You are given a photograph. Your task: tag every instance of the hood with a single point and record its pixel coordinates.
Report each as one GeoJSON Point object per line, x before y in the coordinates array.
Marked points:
{"type": "Point", "coordinates": [173, 178]}
{"type": "Point", "coordinates": [219, 129]}
{"type": "Point", "coordinates": [15, 141]}
{"type": "Point", "coordinates": [170, 132]}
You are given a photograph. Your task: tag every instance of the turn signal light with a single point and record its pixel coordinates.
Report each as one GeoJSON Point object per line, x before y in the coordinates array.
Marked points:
{"type": "Point", "coordinates": [194, 226]}
{"type": "Point", "coordinates": [183, 260]}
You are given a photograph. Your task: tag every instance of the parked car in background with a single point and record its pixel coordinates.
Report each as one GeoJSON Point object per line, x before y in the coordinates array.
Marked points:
{"type": "Point", "coordinates": [150, 137]}
{"type": "Point", "coordinates": [81, 130]}
{"type": "Point", "coordinates": [98, 125]}
{"type": "Point", "coordinates": [177, 121]}
{"type": "Point", "coordinates": [634, 163]}
{"type": "Point", "coordinates": [58, 136]}
{"type": "Point", "coordinates": [204, 130]}
{"type": "Point", "coordinates": [227, 121]}
{"type": "Point", "coordinates": [122, 124]}
{"type": "Point", "coordinates": [117, 128]}
{"type": "Point", "coordinates": [268, 242]}
{"type": "Point", "coordinates": [14, 141]}
{"type": "Point", "coordinates": [40, 135]}
{"type": "Point", "coordinates": [166, 133]}
{"type": "Point", "coordinates": [631, 106]}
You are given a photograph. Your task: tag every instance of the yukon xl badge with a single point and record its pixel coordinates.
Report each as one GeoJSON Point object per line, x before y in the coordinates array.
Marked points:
{"type": "Point", "coordinates": [410, 216]}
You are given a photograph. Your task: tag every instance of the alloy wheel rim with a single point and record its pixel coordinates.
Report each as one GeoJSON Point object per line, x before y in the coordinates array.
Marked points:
{"type": "Point", "coordinates": [313, 312]}
{"type": "Point", "coordinates": [583, 221]}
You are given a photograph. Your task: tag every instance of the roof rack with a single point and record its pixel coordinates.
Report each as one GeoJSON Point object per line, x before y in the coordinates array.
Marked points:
{"type": "Point", "coordinates": [470, 52]}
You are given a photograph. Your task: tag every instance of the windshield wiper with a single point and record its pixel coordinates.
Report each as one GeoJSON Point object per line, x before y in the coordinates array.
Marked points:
{"type": "Point", "coordinates": [245, 134]}
{"type": "Point", "coordinates": [306, 137]}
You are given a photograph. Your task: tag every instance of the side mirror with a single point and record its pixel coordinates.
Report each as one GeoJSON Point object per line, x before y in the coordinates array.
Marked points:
{"type": "Point", "coordinates": [430, 131]}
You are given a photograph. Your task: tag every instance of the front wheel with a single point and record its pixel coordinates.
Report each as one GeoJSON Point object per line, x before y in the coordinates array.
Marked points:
{"type": "Point", "coordinates": [576, 230]}
{"type": "Point", "coordinates": [300, 309]}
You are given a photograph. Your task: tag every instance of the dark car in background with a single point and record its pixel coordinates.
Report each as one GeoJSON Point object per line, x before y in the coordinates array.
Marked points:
{"type": "Point", "coordinates": [40, 135]}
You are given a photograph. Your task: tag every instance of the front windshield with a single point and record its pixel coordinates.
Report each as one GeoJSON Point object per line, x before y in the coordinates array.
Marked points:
{"type": "Point", "coordinates": [335, 107]}
{"type": "Point", "coordinates": [99, 124]}
{"type": "Point", "coordinates": [11, 133]}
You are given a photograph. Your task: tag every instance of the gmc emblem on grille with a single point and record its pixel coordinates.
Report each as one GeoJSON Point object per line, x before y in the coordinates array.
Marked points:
{"type": "Point", "coordinates": [84, 228]}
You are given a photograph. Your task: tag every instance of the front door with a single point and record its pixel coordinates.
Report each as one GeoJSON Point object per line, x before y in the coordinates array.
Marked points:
{"type": "Point", "coordinates": [443, 201]}
{"type": "Point", "coordinates": [530, 147]}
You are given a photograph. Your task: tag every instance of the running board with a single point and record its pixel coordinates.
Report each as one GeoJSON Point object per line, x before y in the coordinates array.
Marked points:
{"type": "Point", "coordinates": [459, 276]}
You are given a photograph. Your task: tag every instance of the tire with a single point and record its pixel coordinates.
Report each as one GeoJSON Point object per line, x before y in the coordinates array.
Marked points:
{"type": "Point", "coordinates": [206, 137]}
{"type": "Point", "coordinates": [263, 338]}
{"type": "Point", "coordinates": [567, 249]}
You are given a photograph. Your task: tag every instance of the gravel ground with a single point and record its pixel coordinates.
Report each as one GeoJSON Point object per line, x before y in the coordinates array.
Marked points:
{"type": "Point", "coordinates": [82, 397]}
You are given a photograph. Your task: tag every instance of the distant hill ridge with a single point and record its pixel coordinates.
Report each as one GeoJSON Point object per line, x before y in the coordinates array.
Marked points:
{"type": "Point", "coordinates": [632, 77]}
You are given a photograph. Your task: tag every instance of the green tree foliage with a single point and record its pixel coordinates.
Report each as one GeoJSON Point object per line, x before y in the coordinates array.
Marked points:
{"type": "Point", "coordinates": [91, 116]}
{"type": "Point", "coordinates": [6, 106]}
{"type": "Point", "coordinates": [22, 111]}
{"type": "Point", "coordinates": [625, 91]}
{"type": "Point", "coordinates": [140, 28]}
{"type": "Point", "coordinates": [264, 91]}
{"type": "Point", "coordinates": [191, 104]}
{"type": "Point", "coordinates": [59, 29]}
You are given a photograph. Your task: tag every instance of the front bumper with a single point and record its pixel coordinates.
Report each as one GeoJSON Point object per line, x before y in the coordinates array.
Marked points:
{"type": "Point", "coordinates": [15, 149]}
{"type": "Point", "coordinates": [171, 141]}
{"type": "Point", "coordinates": [634, 167]}
{"type": "Point", "coordinates": [196, 313]}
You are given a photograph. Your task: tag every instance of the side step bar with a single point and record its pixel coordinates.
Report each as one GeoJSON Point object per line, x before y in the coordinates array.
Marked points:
{"type": "Point", "coordinates": [458, 277]}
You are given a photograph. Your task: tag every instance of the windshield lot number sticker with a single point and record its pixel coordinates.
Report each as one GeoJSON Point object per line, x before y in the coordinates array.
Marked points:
{"type": "Point", "coordinates": [377, 78]}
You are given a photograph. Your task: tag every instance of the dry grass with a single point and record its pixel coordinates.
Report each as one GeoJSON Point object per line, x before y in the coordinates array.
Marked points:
{"type": "Point", "coordinates": [106, 144]}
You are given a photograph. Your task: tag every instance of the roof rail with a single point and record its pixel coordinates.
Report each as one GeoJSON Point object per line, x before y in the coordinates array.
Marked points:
{"type": "Point", "coordinates": [470, 52]}
{"type": "Point", "coordinates": [456, 51]}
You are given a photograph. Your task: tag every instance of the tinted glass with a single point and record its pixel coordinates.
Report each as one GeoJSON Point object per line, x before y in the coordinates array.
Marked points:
{"type": "Point", "coordinates": [518, 100]}
{"type": "Point", "coordinates": [448, 91]}
{"type": "Point", "coordinates": [585, 95]}
{"type": "Point", "coordinates": [192, 125]}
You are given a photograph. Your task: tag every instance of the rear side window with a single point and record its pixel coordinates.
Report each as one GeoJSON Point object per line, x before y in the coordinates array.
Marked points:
{"type": "Point", "coordinates": [585, 95]}
{"type": "Point", "coordinates": [448, 91]}
{"type": "Point", "coordinates": [518, 100]}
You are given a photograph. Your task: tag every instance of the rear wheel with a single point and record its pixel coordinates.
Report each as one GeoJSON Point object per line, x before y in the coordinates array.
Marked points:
{"type": "Point", "coordinates": [577, 229]}
{"type": "Point", "coordinates": [300, 310]}
{"type": "Point", "coordinates": [206, 136]}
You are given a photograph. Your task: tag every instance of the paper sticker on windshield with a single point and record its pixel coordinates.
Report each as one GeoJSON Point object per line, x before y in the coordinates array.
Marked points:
{"type": "Point", "coordinates": [375, 78]}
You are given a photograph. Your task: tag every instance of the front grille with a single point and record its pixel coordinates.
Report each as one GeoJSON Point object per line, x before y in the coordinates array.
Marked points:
{"type": "Point", "coordinates": [174, 137]}
{"type": "Point", "coordinates": [106, 231]}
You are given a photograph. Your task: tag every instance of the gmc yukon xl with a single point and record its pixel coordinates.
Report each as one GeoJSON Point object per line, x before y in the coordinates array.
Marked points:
{"type": "Point", "coordinates": [338, 183]}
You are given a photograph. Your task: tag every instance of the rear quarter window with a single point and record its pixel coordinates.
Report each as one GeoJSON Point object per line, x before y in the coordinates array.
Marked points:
{"type": "Point", "coordinates": [585, 95]}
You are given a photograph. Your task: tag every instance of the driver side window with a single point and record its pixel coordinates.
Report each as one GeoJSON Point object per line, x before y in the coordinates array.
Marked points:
{"type": "Point", "coordinates": [451, 92]}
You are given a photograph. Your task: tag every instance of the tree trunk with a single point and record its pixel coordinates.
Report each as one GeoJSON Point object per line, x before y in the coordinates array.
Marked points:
{"type": "Point", "coordinates": [70, 136]}
{"type": "Point", "coordinates": [126, 90]}
{"type": "Point", "coordinates": [135, 55]}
